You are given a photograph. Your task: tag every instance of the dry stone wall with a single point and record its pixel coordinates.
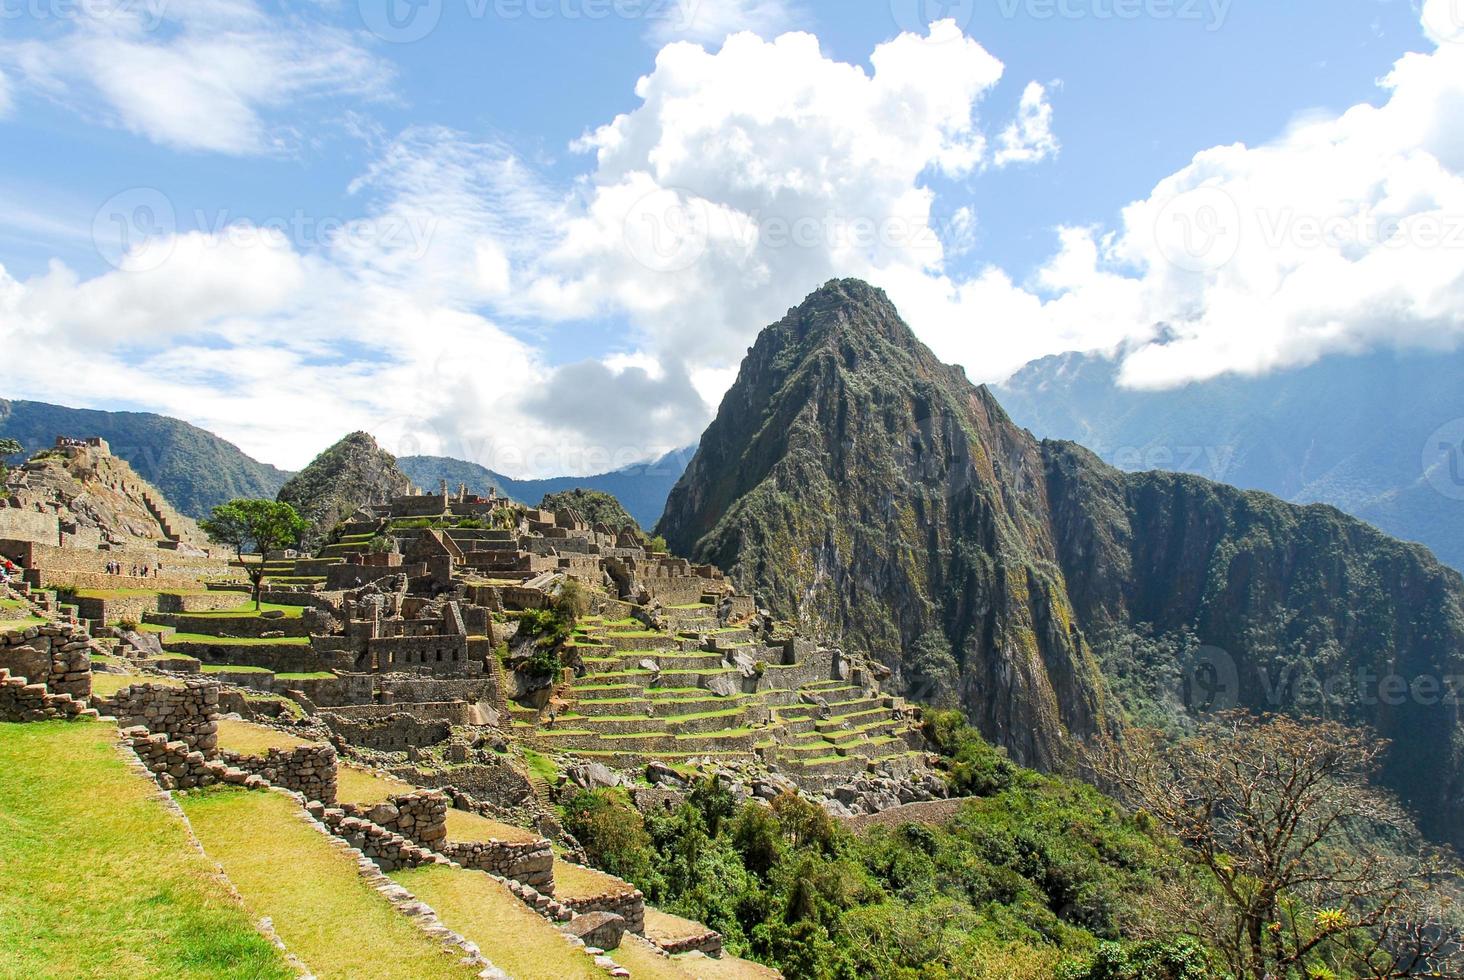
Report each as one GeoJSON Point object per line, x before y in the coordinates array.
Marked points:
{"type": "Point", "coordinates": [188, 714]}
{"type": "Point", "coordinates": [309, 770]}
{"type": "Point", "coordinates": [21, 701]}
{"type": "Point", "coordinates": [56, 655]}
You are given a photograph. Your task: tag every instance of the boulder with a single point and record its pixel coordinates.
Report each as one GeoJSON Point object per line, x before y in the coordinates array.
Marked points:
{"type": "Point", "coordinates": [722, 685]}
{"type": "Point", "coordinates": [602, 930]}
{"type": "Point", "coordinates": [148, 644]}
{"type": "Point", "coordinates": [593, 775]}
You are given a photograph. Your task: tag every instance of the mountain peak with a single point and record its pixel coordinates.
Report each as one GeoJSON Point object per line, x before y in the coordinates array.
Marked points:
{"type": "Point", "coordinates": [353, 473]}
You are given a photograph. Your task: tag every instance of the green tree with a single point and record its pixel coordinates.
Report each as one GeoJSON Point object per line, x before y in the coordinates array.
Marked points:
{"type": "Point", "coordinates": [254, 527]}
{"type": "Point", "coordinates": [8, 447]}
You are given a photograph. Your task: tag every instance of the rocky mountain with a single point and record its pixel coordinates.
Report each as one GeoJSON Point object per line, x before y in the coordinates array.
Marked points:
{"type": "Point", "coordinates": [353, 473]}
{"type": "Point", "coordinates": [594, 506]}
{"type": "Point", "coordinates": [1359, 432]}
{"type": "Point", "coordinates": [861, 486]}
{"type": "Point", "coordinates": [194, 468]}
{"type": "Point", "coordinates": [641, 489]}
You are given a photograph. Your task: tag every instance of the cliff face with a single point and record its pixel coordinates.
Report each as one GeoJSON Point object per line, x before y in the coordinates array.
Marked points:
{"type": "Point", "coordinates": [866, 489]}
{"type": "Point", "coordinates": [353, 473]}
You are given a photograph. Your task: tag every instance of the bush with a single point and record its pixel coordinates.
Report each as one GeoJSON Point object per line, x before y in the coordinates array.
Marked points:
{"type": "Point", "coordinates": [613, 834]}
{"type": "Point", "coordinates": [573, 602]}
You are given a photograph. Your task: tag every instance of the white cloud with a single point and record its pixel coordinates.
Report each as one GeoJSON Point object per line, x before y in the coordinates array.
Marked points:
{"type": "Point", "coordinates": [1029, 138]}
{"type": "Point", "coordinates": [713, 20]}
{"type": "Point", "coordinates": [7, 101]}
{"type": "Point", "coordinates": [204, 75]}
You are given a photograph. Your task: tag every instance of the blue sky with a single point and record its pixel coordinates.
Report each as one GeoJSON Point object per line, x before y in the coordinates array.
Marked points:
{"type": "Point", "coordinates": [287, 220]}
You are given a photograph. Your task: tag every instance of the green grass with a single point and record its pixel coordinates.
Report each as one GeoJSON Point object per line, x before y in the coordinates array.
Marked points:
{"type": "Point", "coordinates": [541, 765]}
{"type": "Point", "coordinates": [247, 739]}
{"type": "Point", "coordinates": [320, 906]}
{"type": "Point", "coordinates": [367, 788]}
{"type": "Point", "coordinates": [229, 669]}
{"type": "Point", "coordinates": [249, 612]}
{"type": "Point", "coordinates": [516, 940]}
{"type": "Point", "coordinates": [97, 879]}
{"type": "Point", "coordinates": [316, 675]}
{"type": "Point", "coordinates": [106, 685]}
{"type": "Point", "coordinates": [11, 604]}
{"type": "Point", "coordinates": [240, 641]}
{"type": "Point", "coordinates": [21, 624]}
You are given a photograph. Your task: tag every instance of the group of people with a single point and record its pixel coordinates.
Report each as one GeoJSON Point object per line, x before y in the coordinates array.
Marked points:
{"type": "Point", "coordinates": [8, 570]}
{"type": "Point", "coordinates": [137, 571]}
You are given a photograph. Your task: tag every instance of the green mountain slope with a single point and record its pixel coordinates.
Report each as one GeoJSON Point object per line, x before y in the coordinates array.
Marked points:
{"type": "Point", "coordinates": [1356, 432]}
{"type": "Point", "coordinates": [353, 473]}
{"type": "Point", "coordinates": [195, 469]}
{"type": "Point", "coordinates": [860, 485]}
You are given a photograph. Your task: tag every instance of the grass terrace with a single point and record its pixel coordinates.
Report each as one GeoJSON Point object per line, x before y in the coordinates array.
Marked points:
{"type": "Point", "coordinates": [247, 739]}
{"type": "Point", "coordinates": [575, 881]}
{"type": "Point", "coordinates": [106, 685]}
{"type": "Point", "coordinates": [97, 879]}
{"type": "Point", "coordinates": [311, 890]}
{"type": "Point", "coordinates": [366, 788]}
{"type": "Point", "coordinates": [515, 939]}
{"type": "Point", "coordinates": [470, 828]}
{"type": "Point", "coordinates": [236, 641]}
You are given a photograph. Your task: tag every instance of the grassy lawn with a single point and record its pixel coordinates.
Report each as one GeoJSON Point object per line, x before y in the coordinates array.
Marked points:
{"type": "Point", "coordinates": [366, 788]}
{"type": "Point", "coordinates": [97, 879]}
{"type": "Point", "coordinates": [318, 675]}
{"type": "Point", "coordinates": [516, 940]}
{"type": "Point", "coordinates": [106, 685]}
{"type": "Point", "coordinates": [240, 641]}
{"type": "Point", "coordinates": [321, 907]}
{"type": "Point", "coordinates": [247, 739]}
{"type": "Point", "coordinates": [231, 669]}
{"type": "Point", "coordinates": [21, 624]}
{"type": "Point", "coordinates": [248, 611]}
{"type": "Point", "coordinates": [574, 881]}
{"type": "Point", "coordinates": [470, 828]}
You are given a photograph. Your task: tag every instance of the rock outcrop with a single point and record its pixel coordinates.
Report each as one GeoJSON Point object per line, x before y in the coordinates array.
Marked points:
{"type": "Point", "coordinates": [353, 473]}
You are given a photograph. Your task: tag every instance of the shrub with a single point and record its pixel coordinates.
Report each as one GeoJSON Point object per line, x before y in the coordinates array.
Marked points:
{"type": "Point", "coordinates": [613, 834]}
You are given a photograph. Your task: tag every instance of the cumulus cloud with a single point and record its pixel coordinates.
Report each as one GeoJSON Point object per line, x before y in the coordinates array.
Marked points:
{"type": "Point", "coordinates": [204, 75]}
{"type": "Point", "coordinates": [1029, 138]}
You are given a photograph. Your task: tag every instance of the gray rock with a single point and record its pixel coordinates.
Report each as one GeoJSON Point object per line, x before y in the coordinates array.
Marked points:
{"type": "Point", "coordinates": [599, 929]}
{"type": "Point", "coordinates": [722, 685]}
{"type": "Point", "coordinates": [593, 775]}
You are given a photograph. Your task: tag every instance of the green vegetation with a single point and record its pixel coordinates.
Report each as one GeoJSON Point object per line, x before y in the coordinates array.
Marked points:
{"type": "Point", "coordinates": [258, 526]}
{"type": "Point", "coordinates": [195, 469]}
{"type": "Point", "coordinates": [1036, 874]}
{"type": "Point", "coordinates": [513, 937]}
{"type": "Point", "coordinates": [321, 907]}
{"type": "Point", "coordinates": [350, 474]}
{"type": "Point", "coordinates": [97, 879]}
{"type": "Point", "coordinates": [593, 506]}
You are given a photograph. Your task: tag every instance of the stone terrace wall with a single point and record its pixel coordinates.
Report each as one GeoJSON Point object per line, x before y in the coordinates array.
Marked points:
{"type": "Point", "coordinates": [55, 655]}
{"type": "Point", "coordinates": [21, 701]}
{"type": "Point", "coordinates": [527, 862]}
{"type": "Point", "coordinates": [309, 770]}
{"type": "Point", "coordinates": [419, 817]}
{"type": "Point", "coordinates": [629, 905]}
{"type": "Point", "coordinates": [395, 733]}
{"type": "Point", "coordinates": [186, 714]}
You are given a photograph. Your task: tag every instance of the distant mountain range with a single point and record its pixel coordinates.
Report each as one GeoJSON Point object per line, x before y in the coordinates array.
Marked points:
{"type": "Point", "coordinates": [195, 469]}
{"type": "Point", "coordinates": [1363, 433]}
{"type": "Point", "coordinates": [641, 489]}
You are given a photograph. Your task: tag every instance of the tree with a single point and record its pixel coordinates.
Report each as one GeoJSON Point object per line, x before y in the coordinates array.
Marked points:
{"type": "Point", "coordinates": [8, 447]}
{"type": "Point", "coordinates": [255, 527]}
{"type": "Point", "coordinates": [1318, 873]}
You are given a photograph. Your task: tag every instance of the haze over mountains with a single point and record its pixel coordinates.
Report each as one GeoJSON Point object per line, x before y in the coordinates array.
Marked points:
{"type": "Point", "coordinates": [863, 488]}
{"type": "Point", "coordinates": [1362, 433]}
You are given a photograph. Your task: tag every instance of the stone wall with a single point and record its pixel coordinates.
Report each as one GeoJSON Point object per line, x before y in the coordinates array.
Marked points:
{"type": "Point", "coordinates": [420, 817]}
{"type": "Point", "coordinates": [629, 904]}
{"type": "Point", "coordinates": [55, 655]}
{"type": "Point", "coordinates": [309, 770]}
{"type": "Point", "coordinates": [173, 763]}
{"type": "Point", "coordinates": [387, 850]}
{"type": "Point", "coordinates": [23, 524]}
{"type": "Point", "coordinates": [21, 701]}
{"type": "Point", "coordinates": [528, 862]}
{"type": "Point", "coordinates": [187, 714]}
{"type": "Point", "coordinates": [394, 733]}
{"type": "Point", "coordinates": [291, 658]}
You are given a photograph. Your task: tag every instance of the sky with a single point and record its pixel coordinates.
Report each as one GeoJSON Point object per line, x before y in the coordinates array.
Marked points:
{"type": "Point", "coordinates": [541, 234]}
